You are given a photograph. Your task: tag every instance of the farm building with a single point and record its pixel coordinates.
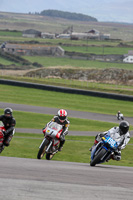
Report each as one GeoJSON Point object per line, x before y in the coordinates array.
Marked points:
{"type": "Point", "coordinates": [48, 35]}
{"type": "Point", "coordinates": [93, 31]}
{"type": "Point", "coordinates": [104, 36]}
{"type": "Point", "coordinates": [91, 34]}
{"type": "Point", "coordinates": [26, 49]}
{"type": "Point", "coordinates": [95, 34]}
{"type": "Point", "coordinates": [31, 33]}
{"type": "Point", "coordinates": [78, 36]}
{"type": "Point", "coordinates": [63, 35]}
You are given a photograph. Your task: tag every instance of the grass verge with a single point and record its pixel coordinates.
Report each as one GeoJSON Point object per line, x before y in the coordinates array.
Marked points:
{"type": "Point", "coordinates": [21, 95]}
{"type": "Point", "coordinates": [38, 121]}
{"type": "Point", "coordinates": [85, 85]}
{"type": "Point", "coordinates": [48, 61]}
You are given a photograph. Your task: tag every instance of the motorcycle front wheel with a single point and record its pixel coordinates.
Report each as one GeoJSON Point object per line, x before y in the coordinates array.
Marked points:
{"type": "Point", "coordinates": [42, 150]}
{"type": "Point", "coordinates": [98, 157]}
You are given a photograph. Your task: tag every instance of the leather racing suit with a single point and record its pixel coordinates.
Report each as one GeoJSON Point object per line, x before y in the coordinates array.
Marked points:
{"type": "Point", "coordinates": [9, 124]}
{"type": "Point", "coordinates": [65, 125]}
{"type": "Point", "coordinates": [115, 134]}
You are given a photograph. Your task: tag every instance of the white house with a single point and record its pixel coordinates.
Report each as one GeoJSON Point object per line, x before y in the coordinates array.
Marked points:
{"type": "Point", "coordinates": [128, 59]}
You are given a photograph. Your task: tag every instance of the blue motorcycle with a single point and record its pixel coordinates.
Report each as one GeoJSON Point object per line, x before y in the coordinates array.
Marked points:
{"type": "Point", "coordinates": [103, 150]}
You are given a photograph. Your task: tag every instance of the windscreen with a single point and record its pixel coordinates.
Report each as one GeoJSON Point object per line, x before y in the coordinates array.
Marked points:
{"type": "Point", "coordinates": [55, 126]}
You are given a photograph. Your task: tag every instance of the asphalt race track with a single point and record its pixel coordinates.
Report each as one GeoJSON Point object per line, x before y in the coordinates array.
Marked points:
{"type": "Point", "coordinates": [30, 179]}
{"type": "Point", "coordinates": [71, 113]}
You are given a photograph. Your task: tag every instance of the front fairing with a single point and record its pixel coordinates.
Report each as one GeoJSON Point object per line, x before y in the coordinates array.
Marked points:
{"type": "Point", "coordinates": [107, 143]}
{"type": "Point", "coordinates": [112, 140]}
{"type": "Point", "coordinates": [52, 131]}
{"type": "Point", "coordinates": [96, 149]}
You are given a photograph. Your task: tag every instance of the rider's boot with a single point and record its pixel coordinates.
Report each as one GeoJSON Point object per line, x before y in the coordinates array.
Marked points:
{"type": "Point", "coordinates": [2, 148]}
{"type": "Point", "coordinates": [61, 145]}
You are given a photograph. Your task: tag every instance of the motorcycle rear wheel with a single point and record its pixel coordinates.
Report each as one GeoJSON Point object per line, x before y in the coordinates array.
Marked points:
{"type": "Point", "coordinates": [42, 150]}
{"type": "Point", "coordinates": [49, 156]}
{"type": "Point", "coordinates": [97, 158]}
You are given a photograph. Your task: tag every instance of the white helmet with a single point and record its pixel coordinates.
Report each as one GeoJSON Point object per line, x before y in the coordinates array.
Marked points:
{"type": "Point", "coordinates": [62, 115]}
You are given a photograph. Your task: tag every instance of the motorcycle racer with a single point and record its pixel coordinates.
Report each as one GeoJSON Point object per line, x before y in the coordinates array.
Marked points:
{"type": "Point", "coordinates": [119, 116]}
{"type": "Point", "coordinates": [9, 124]}
{"type": "Point", "coordinates": [61, 118]}
{"type": "Point", "coordinates": [120, 132]}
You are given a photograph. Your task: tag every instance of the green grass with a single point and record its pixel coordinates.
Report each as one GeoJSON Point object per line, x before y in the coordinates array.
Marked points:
{"type": "Point", "coordinates": [76, 149]}
{"type": "Point", "coordinates": [9, 37]}
{"type": "Point", "coordinates": [38, 121]}
{"type": "Point", "coordinates": [10, 33]}
{"type": "Point", "coordinates": [97, 50]}
{"type": "Point", "coordinates": [4, 61]}
{"type": "Point", "coordinates": [112, 88]}
{"type": "Point", "coordinates": [59, 100]}
{"type": "Point", "coordinates": [55, 61]}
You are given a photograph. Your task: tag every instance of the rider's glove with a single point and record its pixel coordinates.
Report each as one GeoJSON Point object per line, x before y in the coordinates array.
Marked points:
{"type": "Point", "coordinates": [119, 148]}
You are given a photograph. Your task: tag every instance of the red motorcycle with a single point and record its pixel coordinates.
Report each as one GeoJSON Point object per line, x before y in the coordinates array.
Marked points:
{"type": "Point", "coordinates": [2, 128]}
{"type": "Point", "coordinates": [50, 144]}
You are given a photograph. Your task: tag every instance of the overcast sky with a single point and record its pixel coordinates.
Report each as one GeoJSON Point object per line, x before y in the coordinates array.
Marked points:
{"type": "Point", "coordinates": [103, 10]}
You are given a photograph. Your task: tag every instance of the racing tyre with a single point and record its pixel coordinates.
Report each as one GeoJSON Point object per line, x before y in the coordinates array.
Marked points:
{"type": "Point", "coordinates": [42, 150]}
{"type": "Point", "coordinates": [98, 157]}
{"type": "Point", "coordinates": [49, 156]}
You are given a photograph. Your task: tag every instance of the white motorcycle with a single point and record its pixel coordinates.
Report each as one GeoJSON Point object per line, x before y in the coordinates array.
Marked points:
{"type": "Point", "coordinates": [50, 144]}
{"type": "Point", "coordinates": [120, 117]}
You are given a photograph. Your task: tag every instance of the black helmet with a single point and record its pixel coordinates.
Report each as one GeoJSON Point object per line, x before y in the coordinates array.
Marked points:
{"type": "Point", "coordinates": [8, 112]}
{"type": "Point", "coordinates": [124, 127]}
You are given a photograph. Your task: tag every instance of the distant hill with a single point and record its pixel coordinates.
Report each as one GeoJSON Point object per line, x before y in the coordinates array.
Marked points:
{"type": "Point", "coordinates": [68, 15]}
{"type": "Point", "coordinates": [21, 22]}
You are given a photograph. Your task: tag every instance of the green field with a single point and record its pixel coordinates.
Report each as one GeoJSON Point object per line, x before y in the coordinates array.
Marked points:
{"type": "Point", "coordinates": [10, 33]}
{"type": "Point", "coordinates": [81, 46]}
{"type": "Point", "coordinates": [38, 121]}
{"type": "Point", "coordinates": [4, 61]}
{"type": "Point", "coordinates": [55, 61]}
{"type": "Point", "coordinates": [98, 50]}
{"type": "Point", "coordinates": [109, 88]}
{"type": "Point", "coordinates": [76, 149]}
{"type": "Point", "coordinates": [59, 100]}
{"type": "Point", "coordinates": [9, 36]}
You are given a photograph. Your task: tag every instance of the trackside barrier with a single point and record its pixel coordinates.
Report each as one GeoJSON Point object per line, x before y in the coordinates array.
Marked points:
{"type": "Point", "coordinates": [67, 90]}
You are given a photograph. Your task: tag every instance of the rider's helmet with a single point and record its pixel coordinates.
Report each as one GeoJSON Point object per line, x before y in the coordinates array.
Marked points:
{"type": "Point", "coordinates": [62, 115]}
{"type": "Point", "coordinates": [123, 127]}
{"type": "Point", "coordinates": [8, 112]}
